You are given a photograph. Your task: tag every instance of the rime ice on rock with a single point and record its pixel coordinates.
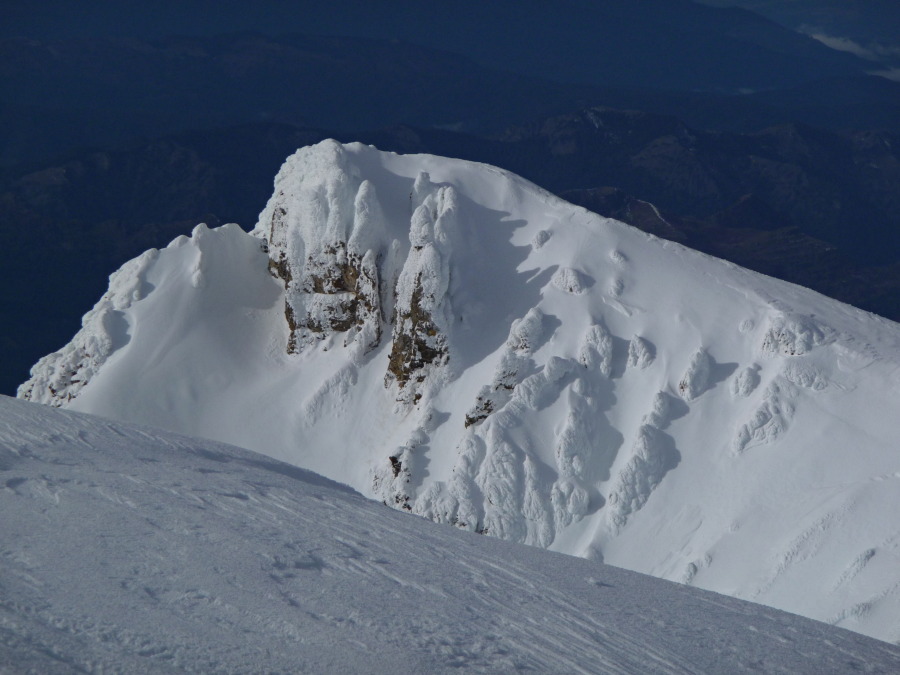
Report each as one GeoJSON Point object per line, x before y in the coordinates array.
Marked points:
{"type": "Point", "coordinates": [640, 352]}
{"type": "Point", "coordinates": [462, 486]}
{"type": "Point", "coordinates": [569, 281]}
{"type": "Point", "coordinates": [696, 378]}
{"type": "Point", "coordinates": [325, 231]}
{"type": "Point", "coordinates": [539, 239]}
{"type": "Point", "coordinates": [421, 314]}
{"type": "Point", "coordinates": [769, 421]}
{"type": "Point", "coordinates": [515, 363]}
{"type": "Point", "coordinates": [745, 382]}
{"type": "Point", "coordinates": [501, 481]}
{"type": "Point", "coordinates": [576, 446]}
{"type": "Point", "coordinates": [794, 335]}
{"type": "Point", "coordinates": [650, 460]}
{"type": "Point", "coordinates": [539, 529]}
{"type": "Point", "coordinates": [618, 257]}
{"type": "Point", "coordinates": [596, 350]}
{"type": "Point", "coordinates": [525, 334]}
{"type": "Point", "coordinates": [660, 415]}
{"type": "Point", "coordinates": [653, 454]}
{"type": "Point", "coordinates": [570, 502]}
{"type": "Point", "coordinates": [540, 389]}
{"type": "Point", "coordinates": [343, 274]}
{"type": "Point", "coordinates": [390, 479]}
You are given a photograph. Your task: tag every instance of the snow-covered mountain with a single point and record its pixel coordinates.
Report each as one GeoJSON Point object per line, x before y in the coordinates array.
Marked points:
{"type": "Point", "coordinates": [454, 341]}
{"type": "Point", "coordinates": [129, 550]}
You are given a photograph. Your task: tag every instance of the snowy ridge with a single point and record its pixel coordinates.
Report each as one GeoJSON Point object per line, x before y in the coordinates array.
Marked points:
{"type": "Point", "coordinates": [59, 377]}
{"type": "Point", "coordinates": [450, 339]}
{"type": "Point", "coordinates": [128, 549]}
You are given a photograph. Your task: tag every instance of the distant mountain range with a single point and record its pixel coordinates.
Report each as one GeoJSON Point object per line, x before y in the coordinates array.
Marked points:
{"type": "Point", "coordinates": [814, 207]}
{"type": "Point", "coordinates": [868, 29]}
{"type": "Point", "coordinates": [112, 144]}
{"type": "Point", "coordinates": [76, 93]}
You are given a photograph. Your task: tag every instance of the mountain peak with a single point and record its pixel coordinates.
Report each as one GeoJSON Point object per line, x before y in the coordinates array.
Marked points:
{"type": "Point", "coordinates": [452, 340]}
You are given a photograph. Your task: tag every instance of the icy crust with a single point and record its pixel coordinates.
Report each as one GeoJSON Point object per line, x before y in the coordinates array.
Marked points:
{"type": "Point", "coordinates": [57, 378]}
{"type": "Point", "coordinates": [456, 343]}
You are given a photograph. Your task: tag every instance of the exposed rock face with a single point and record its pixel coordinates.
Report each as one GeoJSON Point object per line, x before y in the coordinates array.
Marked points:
{"type": "Point", "coordinates": [345, 274]}
{"type": "Point", "coordinates": [421, 312]}
{"type": "Point", "coordinates": [327, 257]}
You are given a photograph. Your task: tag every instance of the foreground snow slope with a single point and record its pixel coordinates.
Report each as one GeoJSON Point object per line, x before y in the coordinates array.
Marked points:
{"type": "Point", "coordinates": [452, 340]}
{"type": "Point", "coordinates": [125, 549]}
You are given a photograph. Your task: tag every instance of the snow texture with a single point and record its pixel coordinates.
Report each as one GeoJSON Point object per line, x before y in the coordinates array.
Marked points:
{"type": "Point", "coordinates": [60, 376]}
{"type": "Point", "coordinates": [745, 382]}
{"type": "Point", "coordinates": [127, 549]}
{"type": "Point", "coordinates": [793, 336]}
{"type": "Point", "coordinates": [770, 420]}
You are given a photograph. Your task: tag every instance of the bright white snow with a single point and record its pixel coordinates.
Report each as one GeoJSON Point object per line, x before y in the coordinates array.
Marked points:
{"type": "Point", "coordinates": [129, 550]}
{"type": "Point", "coordinates": [450, 339]}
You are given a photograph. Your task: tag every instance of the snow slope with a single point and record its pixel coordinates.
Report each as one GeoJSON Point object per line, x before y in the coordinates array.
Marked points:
{"type": "Point", "coordinates": [450, 339]}
{"type": "Point", "coordinates": [125, 549]}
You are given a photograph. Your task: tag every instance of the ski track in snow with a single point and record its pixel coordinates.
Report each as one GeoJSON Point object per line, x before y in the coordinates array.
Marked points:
{"type": "Point", "coordinates": [125, 549]}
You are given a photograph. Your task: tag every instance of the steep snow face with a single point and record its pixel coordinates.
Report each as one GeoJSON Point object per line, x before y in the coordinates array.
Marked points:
{"type": "Point", "coordinates": [454, 341]}
{"type": "Point", "coordinates": [128, 549]}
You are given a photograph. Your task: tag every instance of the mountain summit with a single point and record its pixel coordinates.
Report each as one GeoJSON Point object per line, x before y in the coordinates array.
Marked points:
{"type": "Point", "coordinates": [456, 342]}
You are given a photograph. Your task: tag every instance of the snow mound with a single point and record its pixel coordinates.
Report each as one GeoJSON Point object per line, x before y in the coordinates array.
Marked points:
{"type": "Point", "coordinates": [696, 378]}
{"type": "Point", "coordinates": [569, 281]}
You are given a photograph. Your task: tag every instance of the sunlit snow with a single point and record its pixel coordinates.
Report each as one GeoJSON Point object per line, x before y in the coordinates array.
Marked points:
{"type": "Point", "coordinates": [448, 338]}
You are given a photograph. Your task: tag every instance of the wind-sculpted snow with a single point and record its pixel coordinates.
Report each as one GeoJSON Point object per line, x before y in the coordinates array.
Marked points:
{"type": "Point", "coordinates": [60, 376]}
{"type": "Point", "coordinates": [125, 549]}
{"type": "Point", "coordinates": [455, 342]}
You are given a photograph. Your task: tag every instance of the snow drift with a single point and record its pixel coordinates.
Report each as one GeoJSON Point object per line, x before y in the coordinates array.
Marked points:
{"type": "Point", "coordinates": [454, 341]}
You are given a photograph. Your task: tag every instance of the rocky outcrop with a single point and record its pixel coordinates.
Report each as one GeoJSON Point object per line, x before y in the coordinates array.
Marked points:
{"type": "Point", "coordinates": [346, 275]}
{"type": "Point", "coordinates": [327, 254]}
{"type": "Point", "coordinates": [421, 313]}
